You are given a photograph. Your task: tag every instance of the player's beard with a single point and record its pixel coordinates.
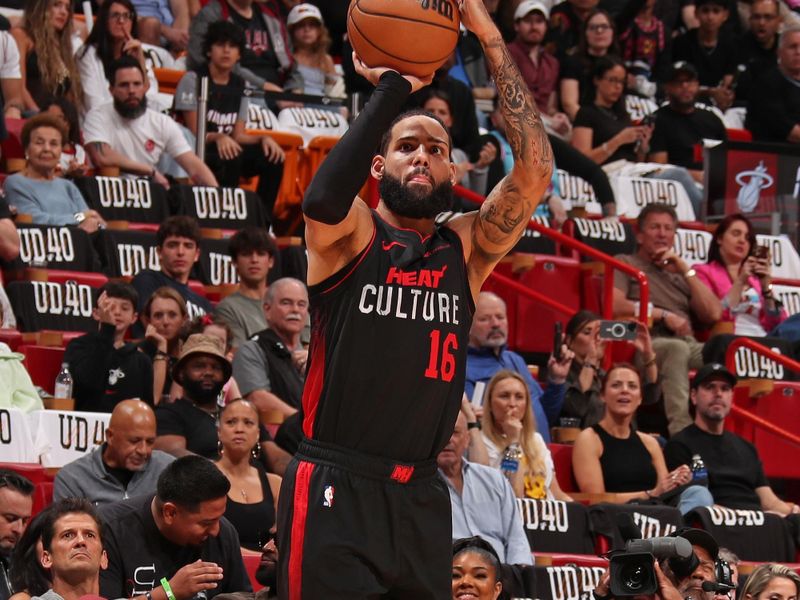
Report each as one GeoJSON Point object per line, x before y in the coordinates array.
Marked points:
{"type": "Point", "coordinates": [131, 112]}
{"type": "Point", "coordinates": [406, 202]}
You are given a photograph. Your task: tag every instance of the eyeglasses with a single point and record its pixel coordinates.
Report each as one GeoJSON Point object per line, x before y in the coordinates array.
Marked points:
{"type": "Point", "coordinates": [599, 28]}
{"type": "Point", "coordinates": [755, 17]}
{"type": "Point", "coordinates": [122, 17]}
{"type": "Point", "coordinates": [613, 80]}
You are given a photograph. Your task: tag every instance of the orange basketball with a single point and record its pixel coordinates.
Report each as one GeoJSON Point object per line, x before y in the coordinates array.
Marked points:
{"type": "Point", "coordinates": [413, 36]}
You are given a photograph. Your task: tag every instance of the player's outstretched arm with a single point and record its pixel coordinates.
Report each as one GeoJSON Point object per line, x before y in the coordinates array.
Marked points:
{"type": "Point", "coordinates": [509, 206]}
{"type": "Point", "coordinates": [338, 223]}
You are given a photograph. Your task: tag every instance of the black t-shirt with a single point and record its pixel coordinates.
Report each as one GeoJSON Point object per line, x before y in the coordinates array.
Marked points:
{"type": "Point", "coordinates": [199, 427]}
{"type": "Point", "coordinates": [121, 474]}
{"type": "Point", "coordinates": [756, 59]}
{"type": "Point", "coordinates": [148, 281]}
{"type": "Point", "coordinates": [774, 107]}
{"type": "Point", "coordinates": [712, 64]}
{"type": "Point", "coordinates": [734, 468]}
{"type": "Point", "coordinates": [259, 55]}
{"type": "Point", "coordinates": [605, 123]}
{"type": "Point", "coordinates": [580, 67]}
{"type": "Point", "coordinates": [676, 134]}
{"type": "Point", "coordinates": [139, 556]}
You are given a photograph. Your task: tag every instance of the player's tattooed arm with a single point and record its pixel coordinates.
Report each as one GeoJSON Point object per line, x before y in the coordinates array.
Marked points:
{"type": "Point", "coordinates": [509, 206]}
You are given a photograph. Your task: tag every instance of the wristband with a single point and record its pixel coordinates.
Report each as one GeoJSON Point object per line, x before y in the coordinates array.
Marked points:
{"type": "Point", "coordinates": [474, 425]}
{"type": "Point", "coordinates": [167, 589]}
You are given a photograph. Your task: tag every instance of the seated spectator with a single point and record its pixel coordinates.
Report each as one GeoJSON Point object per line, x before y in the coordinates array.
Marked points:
{"type": "Point", "coordinates": [178, 249]}
{"type": "Point", "coordinates": [476, 570]}
{"type": "Point", "coordinates": [9, 238]}
{"type": "Point", "coordinates": [105, 368]}
{"type": "Point", "coordinates": [757, 47]}
{"type": "Point", "coordinates": [178, 534]}
{"type": "Point", "coordinates": [207, 325]}
{"type": "Point", "coordinates": [598, 38]}
{"type": "Point", "coordinates": [566, 21]}
{"type": "Point", "coordinates": [163, 316]}
{"type": "Point", "coordinates": [682, 124]}
{"type": "Point", "coordinates": [46, 53]}
{"type": "Point", "coordinates": [188, 425]}
{"type": "Point", "coordinates": [115, 34]}
{"type": "Point", "coordinates": [741, 278]}
{"type": "Point", "coordinates": [773, 112]}
{"type": "Point", "coordinates": [472, 175]}
{"type": "Point", "coordinates": [508, 423]}
{"type": "Point", "coordinates": [645, 50]}
{"type": "Point", "coordinates": [125, 465]}
{"type": "Point", "coordinates": [267, 62]}
{"type": "Point", "coordinates": [73, 161]}
{"type": "Point", "coordinates": [37, 191]}
{"type": "Point", "coordinates": [771, 581]}
{"type": "Point", "coordinates": [72, 550]}
{"type": "Point", "coordinates": [678, 297]}
{"type": "Point", "coordinates": [488, 353]}
{"type": "Point", "coordinates": [253, 252]}
{"type": "Point", "coordinates": [28, 577]}
{"type": "Point", "coordinates": [10, 79]}
{"type": "Point", "coordinates": [735, 475]}
{"type": "Point", "coordinates": [254, 492]}
{"type": "Point", "coordinates": [127, 135]}
{"type": "Point", "coordinates": [270, 367]}
{"type": "Point", "coordinates": [611, 456]}
{"type": "Point", "coordinates": [310, 44]}
{"type": "Point", "coordinates": [167, 19]}
{"type": "Point", "coordinates": [472, 487]}
{"type": "Point", "coordinates": [16, 498]}
{"type": "Point", "coordinates": [230, 152]}
{"type": "Point", "coordinates": [582, 399]}
{"type": "Point", "coordinates": [538, 68]}
{"type": "Point", "coordinates": [711, 51]}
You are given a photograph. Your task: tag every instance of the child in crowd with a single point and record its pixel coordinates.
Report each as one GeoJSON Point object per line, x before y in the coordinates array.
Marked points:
{"type": "Point", "coordinates": [105, 368]}
{"type": "Point", "coordinates": [310, 43]}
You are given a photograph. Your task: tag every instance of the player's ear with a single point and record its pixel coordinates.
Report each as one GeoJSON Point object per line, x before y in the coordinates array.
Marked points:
{"type": "Point", "coordinates": [453, 180]}
{"type": "Point", "coordinates": [378, 164]}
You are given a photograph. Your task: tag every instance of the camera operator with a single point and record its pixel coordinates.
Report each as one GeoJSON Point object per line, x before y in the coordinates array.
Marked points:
{"type": "Point", "coordinates": [666, 590]}
{"type": "Point", "coordinates": [688, 580]}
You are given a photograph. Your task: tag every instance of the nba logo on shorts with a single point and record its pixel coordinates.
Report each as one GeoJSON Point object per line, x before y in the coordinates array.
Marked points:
{"type": "Point", "coordinates": [328, 495]}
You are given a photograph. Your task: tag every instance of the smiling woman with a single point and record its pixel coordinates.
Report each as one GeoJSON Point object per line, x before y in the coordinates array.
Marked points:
{"type": "Point", "coordinates": [476, 570]}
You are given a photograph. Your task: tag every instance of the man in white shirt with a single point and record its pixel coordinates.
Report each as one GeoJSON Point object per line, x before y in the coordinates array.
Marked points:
{"type": "Point", "coordinates": [10, 76]}
{"type": "Point", "coordinates": [127, 135]}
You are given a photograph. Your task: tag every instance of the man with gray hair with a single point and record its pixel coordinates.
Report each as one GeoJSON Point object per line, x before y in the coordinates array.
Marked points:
{"type": "Point", "coordinates": [488, 353]}
{"type": "Point", "coordinates": [773, 114]}
{"type": "Point", "coordinates": [270, 366]}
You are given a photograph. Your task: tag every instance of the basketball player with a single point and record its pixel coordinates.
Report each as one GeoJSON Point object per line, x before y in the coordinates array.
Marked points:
{"type": "Point", "coordinates": [362, 514]}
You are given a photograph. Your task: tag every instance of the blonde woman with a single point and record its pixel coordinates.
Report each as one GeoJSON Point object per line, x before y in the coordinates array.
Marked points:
{"type": "Point", "coordinates": [508, 422]}
{"type": "Point", "coordinates": [772, 581]}
{"type": "Point", "coordinates": [46, 53]}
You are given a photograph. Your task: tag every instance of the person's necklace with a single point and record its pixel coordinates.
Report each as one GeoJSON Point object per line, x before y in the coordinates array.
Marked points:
{"type": "Point", "coordinates": [244, 494]}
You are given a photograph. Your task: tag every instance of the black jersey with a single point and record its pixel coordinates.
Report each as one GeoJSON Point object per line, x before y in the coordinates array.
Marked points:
{"type": "Point", "coordinates": [388, 346]}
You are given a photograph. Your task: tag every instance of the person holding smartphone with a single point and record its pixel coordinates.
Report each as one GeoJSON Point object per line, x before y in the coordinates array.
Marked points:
{"type": "Point", "coordinates": [738, 272]}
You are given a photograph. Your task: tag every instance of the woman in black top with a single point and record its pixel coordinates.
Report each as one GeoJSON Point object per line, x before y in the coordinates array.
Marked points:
{"type": "Point", "coordinates": [598, 39]}
{"type": "Point", "coordinates": [603, 130]}
{"type": "Point", "coordinates": [613, 457]}
{"type": "Point", "coordinates": [254, 493]}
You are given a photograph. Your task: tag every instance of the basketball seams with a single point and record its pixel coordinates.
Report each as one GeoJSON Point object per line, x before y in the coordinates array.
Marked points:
{"type": "Point", "coordinates": [400, 58]}
{"type": "Point", "coordinates": [357, 7]}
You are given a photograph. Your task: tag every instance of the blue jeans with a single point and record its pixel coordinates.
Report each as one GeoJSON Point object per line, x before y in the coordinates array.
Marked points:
{"type": "Point", "coordinates": [693, 497]}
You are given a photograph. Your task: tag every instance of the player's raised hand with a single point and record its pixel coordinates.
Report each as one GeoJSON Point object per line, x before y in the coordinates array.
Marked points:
{"type": "Point", "coordinates": [476, 18]}
{"type": "Point", "coordinates": [373, 74]}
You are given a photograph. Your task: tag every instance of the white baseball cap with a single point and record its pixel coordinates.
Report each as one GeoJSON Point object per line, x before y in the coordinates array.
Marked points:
{"type": "Point", "coordinates": [303, 11]}
{"type": "Point", "coordinates": [528, 6]}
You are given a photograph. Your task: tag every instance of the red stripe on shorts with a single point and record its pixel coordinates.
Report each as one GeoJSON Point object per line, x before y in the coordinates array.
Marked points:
{"type": "Point", "coordinates": [299, 514]}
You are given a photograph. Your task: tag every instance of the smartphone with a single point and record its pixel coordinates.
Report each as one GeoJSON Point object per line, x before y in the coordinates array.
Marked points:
{"type": "Point", "coordinates": [618, 330]}
{"type": "Point", "coordinates": [761, 252]}
{"type": "Point", "coordinates": [558, 340]}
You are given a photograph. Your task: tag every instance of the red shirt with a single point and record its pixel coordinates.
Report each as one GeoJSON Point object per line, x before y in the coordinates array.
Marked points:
{"type": "Point", "coordinates": [542, 77]}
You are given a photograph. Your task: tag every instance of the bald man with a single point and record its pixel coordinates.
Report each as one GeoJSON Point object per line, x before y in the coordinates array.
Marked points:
{"type": "Point", "coordinates": [125, 465]}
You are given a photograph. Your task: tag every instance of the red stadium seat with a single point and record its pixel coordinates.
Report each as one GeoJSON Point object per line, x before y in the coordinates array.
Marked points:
{"type": "Point", "coordinates": [562, 462]}
{"type": "Point", "coordinates": [43, 364]}
{"type": "Point", "coordinates": [95, 280]}
{"type": "Point", "coordinates": [12, 337]}
{"type": "Point", "coordinates": [42, 496]}
{"type": "Point", "coordinates": [33, 471]}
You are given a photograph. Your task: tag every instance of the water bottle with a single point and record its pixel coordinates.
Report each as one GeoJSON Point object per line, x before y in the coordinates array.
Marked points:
{"type": "Point", "coordinates": [63, 387]}
{"type": "Point", "coordinates": [511, 457]}
{"type": "Point", "coordinates": [699, 471]}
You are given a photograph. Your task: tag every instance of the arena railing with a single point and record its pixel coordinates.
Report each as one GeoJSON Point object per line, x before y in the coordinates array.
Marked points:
{"type": "Point", "coordinates": [608, 261]}
{"type": "Point", "coordinates": [746, 415]}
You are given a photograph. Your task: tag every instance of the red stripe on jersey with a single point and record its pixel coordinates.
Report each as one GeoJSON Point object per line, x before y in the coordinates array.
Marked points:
{"type": "Point", "coordinates": [299, 515]}
{"type": "Point", "coordinates": [313, 386]}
